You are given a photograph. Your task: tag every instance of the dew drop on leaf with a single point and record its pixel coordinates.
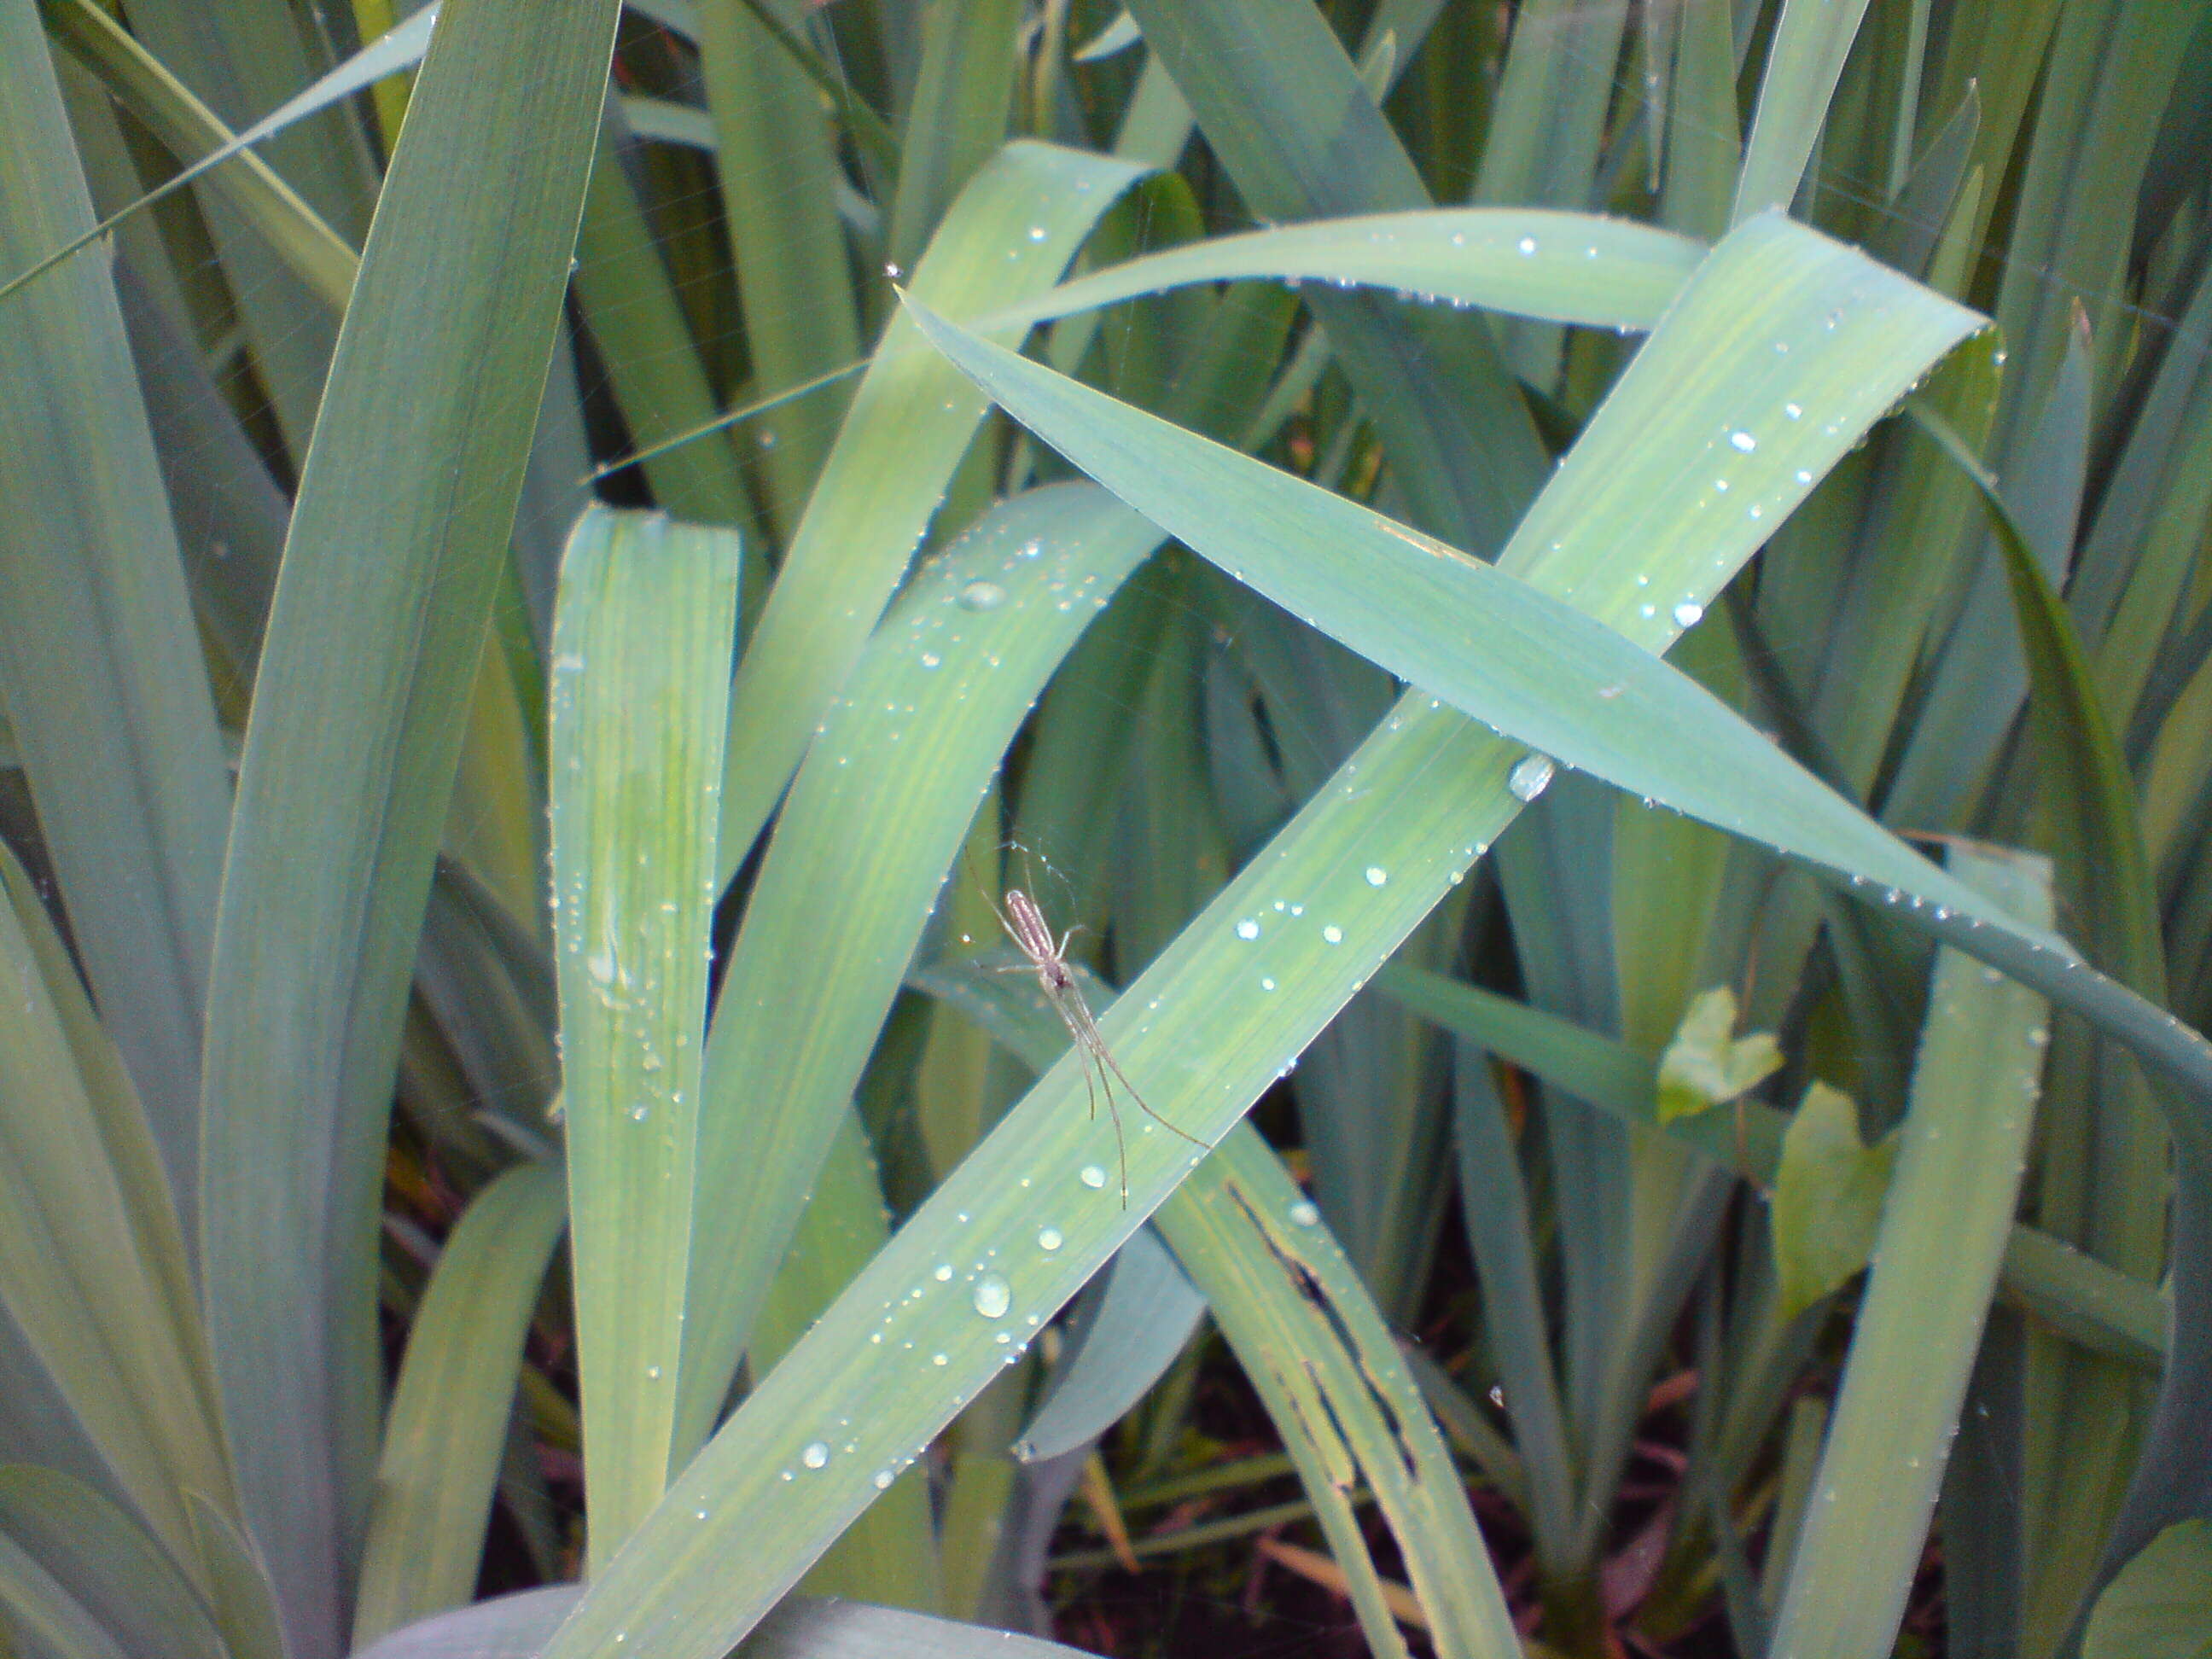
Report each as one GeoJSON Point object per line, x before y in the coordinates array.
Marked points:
{"type": "Point", "coordinates": [982, 596]}
{"type": "Point", "coordinates": [1530, 776]}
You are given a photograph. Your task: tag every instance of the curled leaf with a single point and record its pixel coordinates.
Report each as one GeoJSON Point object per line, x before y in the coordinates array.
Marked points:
{"type": "Point", "coordinates": [1707, 1063]}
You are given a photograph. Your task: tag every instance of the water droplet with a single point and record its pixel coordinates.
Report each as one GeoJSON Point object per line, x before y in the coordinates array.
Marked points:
{"type": "Point", "coordinates": [993, 1296]}
{"type": "Point", "coordinates": [1091, 1176]}
{"type": "Point", "coordinates": [939, 1359]}
{"type": "Point", "coordinates": [1049, 1238]}
{"type": "Point", "coordinates": [1689, 614]}
{"type": "Point", "coordinates": [1530, 776]}
{"type": "Point", "coordinates": [1376, 875]}
{"type": "Point", "coordinates": [1608, 692]}
{"type": "Point", "coordinates": [893, 272]}
{"type": "Point", "coordinates": [982, 596]}
{"type": "Point", "coordinates": [930, 660]}
{"type": "Point", "coordinates": [1333, 935]}
{"type": "Point", "coordinates": [1304, 1214]}
{"type": "Point", "coordinates": [1267, 984]}
{"type": "Point", "coordinates": [653, 1373]}
{"type": "Point", "coordinates": [1248, 928]}
{"type": "Point", "coordinates": [1037, 233]}
{"type": "Point", "coordinates": [816, 1457]}
{"type": "Point", "coordinates": [1743, 441]}
{"type": "Point", "coordinates": [1794, 411]}
{"type": "Point", "coordinates": [1527, 245]}
{"type": "Point", "coordinates": [943, 1272]}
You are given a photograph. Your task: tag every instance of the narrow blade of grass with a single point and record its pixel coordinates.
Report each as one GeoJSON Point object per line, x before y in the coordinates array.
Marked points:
{"type": "Point", "coordinates": [641, 638]}
{"type": "Point", "coordinates": [107, 1563]}
{"type": "Point", "coordinates": [107, 698]}
{"type": "Point", "coordinates": [1803, 64]}
{"type": "Point", "coordinates": [1570, 267]}
{"type": "Point", "coordinates": [402, 517]}
{"type": "Point", "coordinates": [863, 843]}
{"type": "Point", "coordinates": [95, 1265]}
{"type": "Point", "coordinates": [1942, 1235]}
{"type": "Point", "coordinates": [911, 420]}
{"type": "Point", "coordinates": [447, 1428]}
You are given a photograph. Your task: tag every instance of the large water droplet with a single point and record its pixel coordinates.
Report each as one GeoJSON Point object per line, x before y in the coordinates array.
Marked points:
{"type": "Point", "coordinates": [1091, 1176]}
{"type": "Point", "coordinates": [1743, 441]}
{"type": "Point", "coordinates": [1689, 614]}
{"type": "Point", "coordinates": [816, 1457]}
{"type": "Point", "coordinates": [993, 1296]}
{"type": "Point", "coordinates": [1376, 875]}
{"type": "Point", "coordinates": [1304, 1215]}
{"type": "Point", "coordinates": [982, 596]}
{"type": "Point", "coordinates": [1248, 928]}
{"type": "Point", "coordinates": [1049, 1238]}
{"type": "Point", "coordinates": [1530, 776]}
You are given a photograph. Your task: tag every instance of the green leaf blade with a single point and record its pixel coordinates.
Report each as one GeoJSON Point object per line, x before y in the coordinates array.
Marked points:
{"type": "Point", "coordinates": [641, 638]}
{"type": "Point", "coordinates": [1936, 1255]}
{"type": "Point", "coordinates": [402, 514]}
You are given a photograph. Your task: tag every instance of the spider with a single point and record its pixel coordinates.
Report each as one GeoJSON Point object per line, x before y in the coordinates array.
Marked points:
{"type": "Point", "coordinates": [1048, 959]}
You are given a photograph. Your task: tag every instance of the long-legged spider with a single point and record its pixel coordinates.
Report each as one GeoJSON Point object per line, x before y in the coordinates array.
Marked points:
{"type": "Point", "coordinates": [1047, 957]}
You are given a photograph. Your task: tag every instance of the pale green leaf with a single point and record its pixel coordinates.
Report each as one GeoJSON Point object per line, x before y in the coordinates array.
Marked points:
{"type": "Point", "coordinates": [1707, 1063]}
{"type": "Point", "coordinates": [1827, 1198]}
{"type": "Point", "coordinates": [448, 1424]}
{"type": "Point", "coordinates": [642, 630]}
{"type": "Point", "coordinates": [398, 528]}
{"type": "Point", "coordinates": [2160, 1607]}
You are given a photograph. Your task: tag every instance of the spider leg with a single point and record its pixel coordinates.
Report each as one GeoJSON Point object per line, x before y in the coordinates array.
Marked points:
{"type": "Point", "coordinates": [1095, 1041]}
{"type": "Point", "coordinates": [1121, 1145]}
{"type": "Point", "coordinates": [1090, 1087]}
